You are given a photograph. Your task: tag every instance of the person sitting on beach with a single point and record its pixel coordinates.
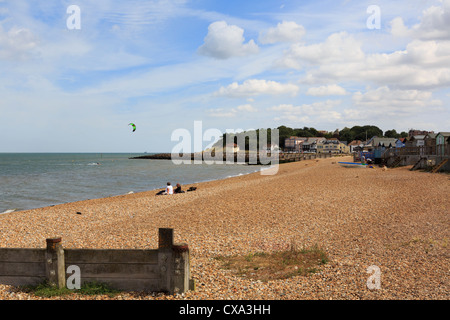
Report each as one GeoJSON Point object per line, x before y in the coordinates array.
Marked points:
{"type": "Point", "coordinates": [169, 189]}
{"type": "Point", "coordinates": [178, 189]}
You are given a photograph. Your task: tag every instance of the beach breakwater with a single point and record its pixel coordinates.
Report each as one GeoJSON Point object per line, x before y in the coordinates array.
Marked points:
{"type": "Point", "coordinates": [165, 269]}
{"type": "Point", "coordinates": [247, 158]}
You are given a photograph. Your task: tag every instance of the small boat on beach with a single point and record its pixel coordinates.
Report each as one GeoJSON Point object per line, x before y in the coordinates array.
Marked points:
{"type": "Point", "coordinates": [353, 164]}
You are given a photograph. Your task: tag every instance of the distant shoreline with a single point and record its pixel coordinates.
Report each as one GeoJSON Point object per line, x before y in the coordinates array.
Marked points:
{"type": "Point", "coordinates": [51, 173]}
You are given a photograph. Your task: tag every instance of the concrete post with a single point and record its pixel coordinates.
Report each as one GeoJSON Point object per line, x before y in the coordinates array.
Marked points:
{"type": "Point", "coordinates": [54, 263]}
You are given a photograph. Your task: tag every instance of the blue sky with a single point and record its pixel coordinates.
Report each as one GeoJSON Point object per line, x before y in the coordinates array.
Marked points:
{"type": "Point", "coordinates": [229, 64]}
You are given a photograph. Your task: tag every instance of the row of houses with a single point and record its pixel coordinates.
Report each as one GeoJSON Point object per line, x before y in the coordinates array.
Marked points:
{"type": "Point", "coordinates": [431, 139]}
{"type": "Point", "coordinates": [315, 145]}
{"type": "Point", "coordinates": [376, 145]}
{"type": "Point", "coordinates": [333, 145]}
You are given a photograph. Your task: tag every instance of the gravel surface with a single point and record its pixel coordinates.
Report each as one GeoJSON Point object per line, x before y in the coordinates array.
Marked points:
{"type": "Point", "coordinates": [395, 219]}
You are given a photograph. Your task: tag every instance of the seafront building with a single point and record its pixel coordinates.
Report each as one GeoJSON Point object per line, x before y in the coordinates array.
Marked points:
{"type": "Point", "coordinates": [315, 145]}
{"type": "Point", "coordinates": [294, 144]}
{"type": "Point", "coordinates": [332, 146]}
{"type": "Point", "coordinates": [310, 145]}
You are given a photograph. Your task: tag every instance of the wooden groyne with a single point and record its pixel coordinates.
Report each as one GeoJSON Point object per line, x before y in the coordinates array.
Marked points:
{"type": "Point", "coordinates": [250, 159]}
{"type": "Point", "coordinates": [166, 269]}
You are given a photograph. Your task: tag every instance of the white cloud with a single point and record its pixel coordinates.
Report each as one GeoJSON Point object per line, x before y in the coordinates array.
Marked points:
{"type": "Point", "coordinates": [384, 97]}
{"type": "Point", "coordinates": [231, 113]}
{"type": "Point", "coordinates": [222, 113]}
{"type": "Point", "coordinates": [255, 87]}
{"type": "Point", "coordinates": [385, 102]}
{"type": "Point", "coordinates": [434, 24]}
{"type": "Point", "coordinates": [428, 53]}
{"type": "Point", "coordinates": [17, 43]}
{"type": "Point", "coordinates": [286, 31]}
{"type": "Point", "coordinates": [322, 111]}
{"type": "Point", "coordinates": [291, 118]}
{"type": "Point", "coordinates": [224, 41]}
{"type": "Point", "coordinates": [330, 90]}
{"type": "Point", "coordinates": [423, 64]}
{"type": "Point", "coordinates": [399, 29]}
{"type": "Point", "coordinates": [336, 48]}
{"type": "Point", "coordinates": [247, 108]}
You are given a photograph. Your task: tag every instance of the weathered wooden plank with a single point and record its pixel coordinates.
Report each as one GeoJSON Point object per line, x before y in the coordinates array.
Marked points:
{"type": "Point", "coordinates": [21, 281]}
{"type": "Point", "coordinates": [76, 256]}
{"type": "Point", "coordinates": [118, 270]}
{"type": "Point", "coordinates": [21, 255]}
{"type": "Point", "coordinates": [126, 284]}
{"type": "Point", "coordinates": [22, 269]}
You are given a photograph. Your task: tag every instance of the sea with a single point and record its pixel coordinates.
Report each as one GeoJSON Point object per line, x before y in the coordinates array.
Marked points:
{"type": "Point", "coordinates": [34, 180]}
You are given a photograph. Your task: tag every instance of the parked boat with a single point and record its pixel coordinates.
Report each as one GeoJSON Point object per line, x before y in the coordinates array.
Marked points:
{"type": "Point", "coordinates": [353, 164]}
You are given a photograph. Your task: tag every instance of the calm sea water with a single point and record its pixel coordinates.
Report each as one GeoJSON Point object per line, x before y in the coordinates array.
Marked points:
{"type": "Point", "coordinates": [34, 180]}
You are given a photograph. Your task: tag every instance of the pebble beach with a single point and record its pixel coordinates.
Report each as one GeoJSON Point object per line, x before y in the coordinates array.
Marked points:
{"type": "Point", "coordinates": [395, 219]}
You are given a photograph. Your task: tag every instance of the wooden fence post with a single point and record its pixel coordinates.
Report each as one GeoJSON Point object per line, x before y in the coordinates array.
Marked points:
{"type": "Point", "coordinates": [174, 264]}
{"type": "Point", "coordinates": [181, 272]}
{"type": "Point", "coordinates": [54, 263]}
{"type": "Point", "coordinates": [165, 259]}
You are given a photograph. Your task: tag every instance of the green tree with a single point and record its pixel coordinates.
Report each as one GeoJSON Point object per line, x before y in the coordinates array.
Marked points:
{"type": "Point", "coordinates": [346, 135]}
{"type": "Point", "coordinates": [328, 135]}
{"type": "Point", "coordinates": [284, 133]}
{"type": "Point", "coordinates": [391, 134]}
{"type": "Point", "coordinates": [368, 131]}
{"type": "Point", "coordinates": [302, 133]}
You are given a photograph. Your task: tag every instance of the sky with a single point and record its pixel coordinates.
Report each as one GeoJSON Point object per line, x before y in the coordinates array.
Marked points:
{"type": "Point", "coordinates": [74, 74]}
